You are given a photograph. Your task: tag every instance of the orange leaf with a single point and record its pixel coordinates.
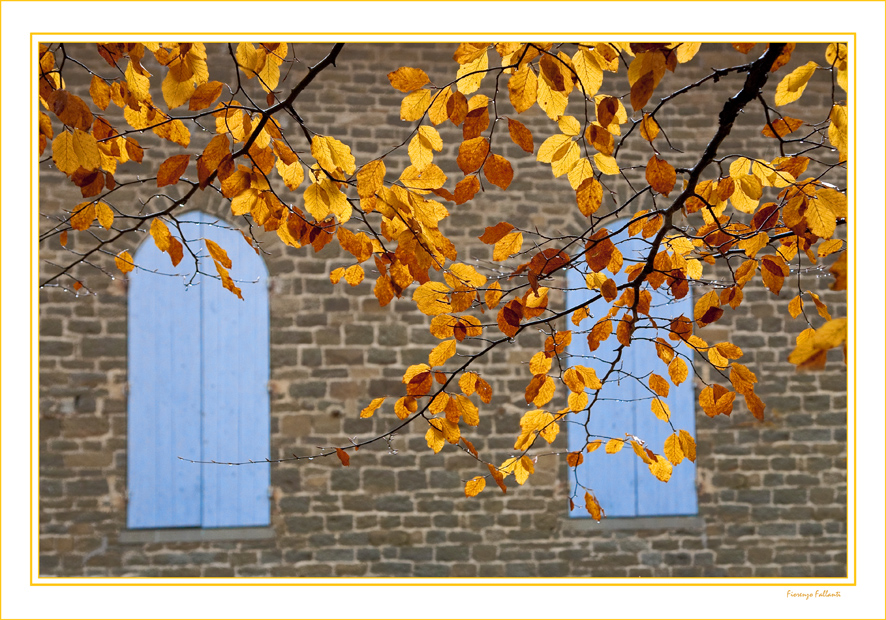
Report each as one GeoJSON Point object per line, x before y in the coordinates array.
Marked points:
{"type": "Point", "coordinates": [474, 486]}
{"type": "Point", "coordinates": [521, 135]}
{"type": "Point", "coordinates": [205, 95]}
{"type": "Point", "coordinates": [171, 170]}
{"type": "Point", "coordinates": [160, 233]}
{"type": "Point", "coordinates": [371, 407]}
{"type": "Point", "coordinates": [661, 175]}
{"type": "Point", "coordinates": [406, 79]}
{"type": "Point", "coordinates": [498, 171]}
{"type": "Point", "coordinates": [123, 260]}
{"type": "Point", "coordinates": [783, 126]}
{"type": "Point", "coordinates": [493, 234]}
{"type": "Point", "coordinates": [343, 457]}
{"type": "Point", "coordinates": [217, 253]}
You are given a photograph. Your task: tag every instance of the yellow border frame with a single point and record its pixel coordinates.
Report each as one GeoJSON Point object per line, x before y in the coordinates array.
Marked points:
{"type": "Point", "coordinates": [474, 581]}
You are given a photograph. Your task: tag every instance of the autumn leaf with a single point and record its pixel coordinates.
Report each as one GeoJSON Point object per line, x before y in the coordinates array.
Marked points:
{"type": "Point", "coordinates": [614, 445]}
{"type": "Point", "coordinates": [406, 79]}
{"type": "Point", "coordinates": [593, 506]}
{"type": "Point", "coordinates": [171, 170]}
{"type": "Point", "coordinates": [474, 486]}
{"type": "Point", "coordinates": [124, 263]}
{"type": "Point", "coordinates": [660, 175]}
{"type": "Point", "coordinates": [441, 353]}
{"type": "Point", "coordinates": [372, 407]}
{"type": "Point", "coordinates": [793, 84]}
{"type": "Point", "coordinates": [520, 135]}
{"type": "Point", "coordinates": [343, 457]}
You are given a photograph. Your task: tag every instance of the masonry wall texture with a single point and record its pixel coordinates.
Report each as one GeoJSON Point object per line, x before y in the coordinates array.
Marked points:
{"type": "Point", "coordinates": [772, 495]}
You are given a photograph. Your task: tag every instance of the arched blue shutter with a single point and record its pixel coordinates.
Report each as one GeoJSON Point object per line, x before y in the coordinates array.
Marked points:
{"type": "Point", "coordinates": [621, 482]}
{"type": "Point", "coordinates": [198, 374]}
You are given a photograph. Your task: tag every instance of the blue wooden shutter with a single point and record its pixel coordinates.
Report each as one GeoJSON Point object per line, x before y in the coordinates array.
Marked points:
{"type": "Point", "coordinates": [198, 374]}
{"type": "Point", "coordinates": [236, 419]}
{"type": "Point", "coordinates": [621, 482]}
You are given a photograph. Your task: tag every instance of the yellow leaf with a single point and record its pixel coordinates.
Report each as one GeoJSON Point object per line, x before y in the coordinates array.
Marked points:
{"type": "Point", "coordinates": [593, 506]}
{"type": "Point", "coordinates": [434, 437]}
{"type": "Point", "coordinates": [614, 445]}
{"type": "Point", "coordinates": [493, 295]}
{"type": "Point", "coordinates": [687, 51]}
{"type": "Point", "coordinates": [795, 307]}
{"type": "Point", "coordinates": [415, 104]}
{"type": "Point", "coordinates": [678, 371]}
{"type": "Point", "coordinates": [331, 154]}
{"type": "Point", "coordinates": [659, 385]}
{"type": "Point", "coordinates": [540, 364]}
{"type": "Point", "coordinates": [661, 410]}
{"type": "Point", "coordinates": [441, 353]}
{"type": "Point", "coordinates": [661, 469]}
{"type": "Point", "coordinates": [821, 220]}
{"type": "Point", "coordinates": [507, 246]}
{"type": "Point", "coordinates": [405, 406]}
{"type": "Point", "coordinates": [687, 445]}
{"type": "Point", "coordinates": [606, 164]}
{"type": "Point", "coordinates": [577, 401]}
{"type": "Point", "coordinates": [63, 153]}
{"type": "Point", "coordinates": [177, 93]}
{"type": "Point", "coordinates": [590, 74]}
{"type": "Point", "coordinates": [104, 215]}
{"type": "Point", "coordinates": [370, 409]}
{"type": "Point", "coordinates": [640, 451]}
{"type": "Point", "coordinates": [292, 174]}
{"type": "Point", "coordinates": [838, 130]}
{"type": "Point", "coordinates": [819, 305]}
{"type": "Point", "coordinates": [354, 275]}
{"type": "Point", "coordinates": [431, 298]}
{"type": "Point", "coordinates": [551, 146]}
{"type": "Point", "coordinates": [523, 468]}
{"type": "Point", "coordinates": [552, 101]}
{"type": "Point", "coordinates": [672, 449]}
{"type": "Point", "coordinates": [139, 83]}
{"type": "Point", "coordinates": [593, 445]}
{"type": "Point", "coordinates": [406, 79]}
{"type": "Point", "coordinates": [336, 275]}
{"type": "Point", "coordinates": [471, 73]}
{"type": "Point", "coordinates": [86, 150]}
{"type": "Point", "coordinates": [123, 260]}
{"type": "Point", "coordinates": [793, 84]}
{"type": "Point", "coordinates": [523, 88]}
{"type": "Point", "coordinates": [545, 392]}
{"type": "Point", "coordinates": [474, 486]}
{"type": "Point", "coordinates": [160, 233]}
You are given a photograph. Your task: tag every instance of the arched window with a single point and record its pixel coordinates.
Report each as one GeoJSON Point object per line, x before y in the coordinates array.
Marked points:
{"type": "Point", "coordinates": [198, 376]}
{"type": "Point", "coordinates": [622, 482]}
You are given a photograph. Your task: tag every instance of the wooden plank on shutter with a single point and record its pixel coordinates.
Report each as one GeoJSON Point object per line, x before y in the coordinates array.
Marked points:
{"type": "Point", "coordinates": [621, 482]}
{"type": "Point", "coordinates": [678, 496]}
{"type": "Point", "coordinates": [613, 477]}
{"type": "Point", "coordinates": [236, 363]}
{"type": "Point", "coordinates": [164, 394]}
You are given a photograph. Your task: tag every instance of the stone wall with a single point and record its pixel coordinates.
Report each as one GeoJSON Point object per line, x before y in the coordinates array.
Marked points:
{"type": "Point", "coordinates": [772, 495]}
